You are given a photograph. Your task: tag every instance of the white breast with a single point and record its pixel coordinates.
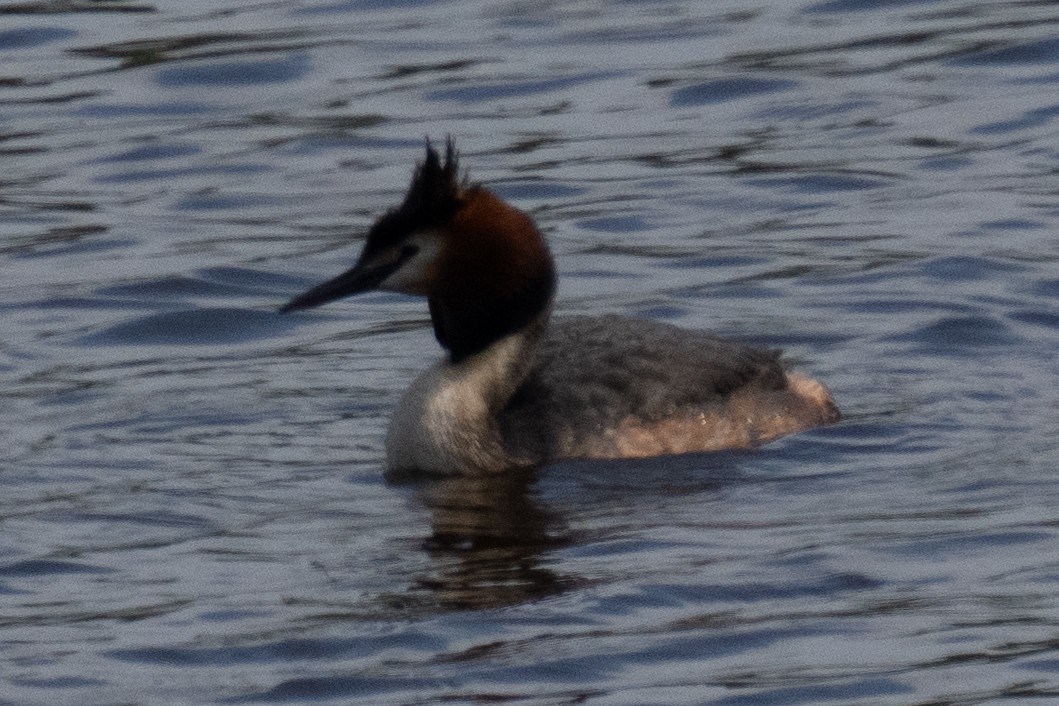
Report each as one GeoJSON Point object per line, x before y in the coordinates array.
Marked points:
{"type": "Point", "coordinates": [446, 420]}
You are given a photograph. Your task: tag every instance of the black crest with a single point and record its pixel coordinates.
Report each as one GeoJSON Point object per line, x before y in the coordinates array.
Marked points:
{"type": "Point", "coordinates": [433, 198]}
{"type": "Point", "coordinates": [433, 195]}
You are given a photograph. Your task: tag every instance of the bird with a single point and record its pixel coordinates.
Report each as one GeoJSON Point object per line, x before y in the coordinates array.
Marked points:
{"type": "Point", "coordinates": [518, 388]}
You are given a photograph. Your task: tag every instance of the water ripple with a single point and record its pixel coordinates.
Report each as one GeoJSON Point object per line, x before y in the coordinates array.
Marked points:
{"type": "Point", "coordinates": [209, 326]}
{"type": "Point", "coordinates": [194, 505]}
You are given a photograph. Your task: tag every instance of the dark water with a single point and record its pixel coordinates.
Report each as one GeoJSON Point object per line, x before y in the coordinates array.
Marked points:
{"type": "Point", "coordinates": [191, 497]}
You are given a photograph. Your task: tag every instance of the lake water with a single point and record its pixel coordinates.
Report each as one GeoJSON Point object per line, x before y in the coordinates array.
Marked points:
{"type": "Point", "coordinates": [192, 502]}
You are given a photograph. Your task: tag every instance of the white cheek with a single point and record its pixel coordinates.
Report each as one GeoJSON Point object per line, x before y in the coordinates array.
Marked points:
{"type": "Point", "coordinates": [412, 276]}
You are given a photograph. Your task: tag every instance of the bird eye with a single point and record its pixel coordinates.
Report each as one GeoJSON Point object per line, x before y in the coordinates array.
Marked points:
{"type": "Point", "coordinates": [409, 251]}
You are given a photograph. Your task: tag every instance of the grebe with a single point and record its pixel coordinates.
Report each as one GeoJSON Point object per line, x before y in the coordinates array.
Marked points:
{"type": "Point", "coordinates": [518, 388]}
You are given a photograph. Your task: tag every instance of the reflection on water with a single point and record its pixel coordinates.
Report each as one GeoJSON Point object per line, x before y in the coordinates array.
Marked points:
{"type": "Point", "coordinates": [192, 503]}
{"type": "Point", "coordinates": [489, 541]}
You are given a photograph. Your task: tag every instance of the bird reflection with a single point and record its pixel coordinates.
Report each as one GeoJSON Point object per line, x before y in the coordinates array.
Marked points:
{"type": "Point", "coordinates": [489, 541]}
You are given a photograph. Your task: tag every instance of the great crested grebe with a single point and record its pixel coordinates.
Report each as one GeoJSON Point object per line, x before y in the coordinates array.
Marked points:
{"type": "Point", "coordinates": [518, 388]}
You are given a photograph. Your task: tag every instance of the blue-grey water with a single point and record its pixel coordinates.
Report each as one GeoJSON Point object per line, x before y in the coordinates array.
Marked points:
{"type": "Point", "coordinates": [192, 502]}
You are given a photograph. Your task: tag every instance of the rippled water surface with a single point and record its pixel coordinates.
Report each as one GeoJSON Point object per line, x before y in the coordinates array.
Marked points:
{"type": "Point", "coordinates": [192, 501]}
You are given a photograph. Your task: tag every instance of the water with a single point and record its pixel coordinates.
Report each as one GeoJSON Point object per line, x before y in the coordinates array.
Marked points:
{"type": "Point", "coordinates": [192, 502]}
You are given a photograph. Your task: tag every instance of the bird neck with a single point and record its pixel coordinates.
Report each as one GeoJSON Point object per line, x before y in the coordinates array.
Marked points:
{"type": "Point", "coordinates": [499, 278]}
